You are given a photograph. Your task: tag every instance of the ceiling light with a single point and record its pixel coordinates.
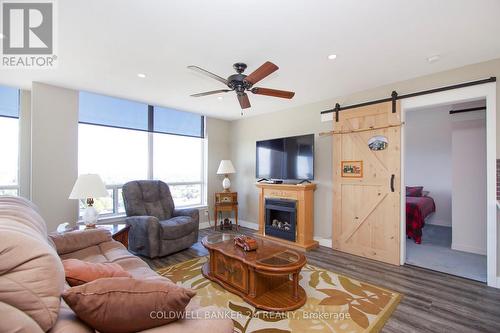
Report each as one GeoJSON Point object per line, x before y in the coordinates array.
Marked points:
{"type": "Point", "coordinates": [332, 56]}
{"type": "Point", "coordinates": [433, 58]}
{"type": "Point", "coordinates": [141, 75]}
{"type": "Point", "coordinates": [220, 97]}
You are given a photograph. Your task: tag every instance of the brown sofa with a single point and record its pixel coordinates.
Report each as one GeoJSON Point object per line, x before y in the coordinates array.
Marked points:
{"type": "Point", "coordinates": [32, 277]}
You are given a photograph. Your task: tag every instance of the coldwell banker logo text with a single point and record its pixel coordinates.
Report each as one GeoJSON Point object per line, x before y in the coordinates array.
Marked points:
{"type": "Point", "coordinates": [28, 29]}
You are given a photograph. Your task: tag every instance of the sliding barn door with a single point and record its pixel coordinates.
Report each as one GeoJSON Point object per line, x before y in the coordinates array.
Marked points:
{"type": "Point", "coordinates": [366, 182]}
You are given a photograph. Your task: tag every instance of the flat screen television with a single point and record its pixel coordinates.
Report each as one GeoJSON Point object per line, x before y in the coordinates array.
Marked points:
{"type": "Point", "coordinates": [290, 158]}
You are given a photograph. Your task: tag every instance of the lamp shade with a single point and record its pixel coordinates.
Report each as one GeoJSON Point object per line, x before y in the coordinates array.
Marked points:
{"type": "Point", "coordinates": [225, 167]}
{"type": "Point", "coordinates": [88, 186]}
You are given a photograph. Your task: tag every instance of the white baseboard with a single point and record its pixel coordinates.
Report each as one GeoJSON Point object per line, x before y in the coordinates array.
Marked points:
{"type": "Point", "coordinates": [326, 242]}
{"type": "Point", "coordinates": [248, 224]}
{"type": "Point", "coordinates": [467, 248]}
{"type": "Point", "coordinates": [442, 223]}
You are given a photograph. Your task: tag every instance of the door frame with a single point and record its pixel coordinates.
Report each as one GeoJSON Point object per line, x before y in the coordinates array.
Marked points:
{"type": "Point", "coordinates": [485, 91]}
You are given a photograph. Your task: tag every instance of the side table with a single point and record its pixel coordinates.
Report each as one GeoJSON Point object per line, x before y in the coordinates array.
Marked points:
{"type": "Point", "coordinates": [226, 202]}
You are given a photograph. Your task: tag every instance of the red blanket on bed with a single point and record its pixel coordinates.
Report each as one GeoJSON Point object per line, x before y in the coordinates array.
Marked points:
{"type": "Point", "coordinates": [417, 209]}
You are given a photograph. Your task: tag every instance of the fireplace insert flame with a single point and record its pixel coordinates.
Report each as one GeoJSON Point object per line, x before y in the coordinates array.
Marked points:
{"type": "Point", "coordinates": [281, 218]}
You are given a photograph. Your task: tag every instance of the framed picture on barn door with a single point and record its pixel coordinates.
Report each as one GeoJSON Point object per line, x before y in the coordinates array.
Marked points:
{"type": "Point", "coordinates": [352, 169]}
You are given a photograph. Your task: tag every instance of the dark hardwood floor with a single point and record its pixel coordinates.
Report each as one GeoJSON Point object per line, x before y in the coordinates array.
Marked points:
{"type": "Point", "coordinates": [432, 301]}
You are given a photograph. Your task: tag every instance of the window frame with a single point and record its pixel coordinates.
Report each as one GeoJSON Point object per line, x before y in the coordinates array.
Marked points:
{"type": "Point", "coordinates": [16, 187]}
{"type": "Point", "coordinates": [150, 165]}
{"type": "Point", "coordinates": [11, 187]}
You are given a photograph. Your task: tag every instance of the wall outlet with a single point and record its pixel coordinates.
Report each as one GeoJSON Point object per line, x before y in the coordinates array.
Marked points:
{"type": "Point", "coordinates": [206, 212]}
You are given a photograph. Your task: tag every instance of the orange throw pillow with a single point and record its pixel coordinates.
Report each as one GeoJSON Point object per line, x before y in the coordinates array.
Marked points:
{"type": "Point", "coordinates": [120, 305]}
{"type": "Point", "coordinates": [79, 272]}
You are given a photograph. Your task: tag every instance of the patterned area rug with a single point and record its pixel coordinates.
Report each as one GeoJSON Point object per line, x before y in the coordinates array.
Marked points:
{"type": "Point", "coordinates": [335, 303]}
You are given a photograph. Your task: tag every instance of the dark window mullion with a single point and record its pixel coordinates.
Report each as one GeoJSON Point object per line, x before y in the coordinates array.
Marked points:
{"type": "Point", "coordinates": [151, 118]}
{"type": "Point", "coordinates": [151, 128]}
{"type": "Point", "coordinates": [202, 133]}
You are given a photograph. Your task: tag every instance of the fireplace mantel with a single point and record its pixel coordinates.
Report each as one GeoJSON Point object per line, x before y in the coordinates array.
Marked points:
{"type": "Point", "coordinates": [304, 195]}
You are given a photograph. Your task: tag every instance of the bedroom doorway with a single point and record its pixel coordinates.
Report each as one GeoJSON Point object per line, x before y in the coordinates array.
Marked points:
{"type": "Point", "coordinates": [445, 188]}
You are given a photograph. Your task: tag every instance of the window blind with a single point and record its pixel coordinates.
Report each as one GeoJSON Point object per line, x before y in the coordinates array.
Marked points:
{"type": "Point", "coordinates": [176, 122]}
{"type": "Point", "coordinates": [9, 102]}
{"type": "Point", "coordinates": [115, 112]}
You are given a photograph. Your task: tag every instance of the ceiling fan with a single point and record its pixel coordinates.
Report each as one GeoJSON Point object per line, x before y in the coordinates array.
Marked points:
{"type": "Point", "coordinates": [242, 83]}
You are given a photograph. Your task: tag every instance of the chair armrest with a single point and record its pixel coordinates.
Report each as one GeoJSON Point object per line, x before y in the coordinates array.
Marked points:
{"type": "Point", "coordinates": [72, 241]}
{"type": "Point", "coordinates": [194, 213]}
{"type": "Point", "coordinates": [144, 235]}
{"type": "Point", "coordinates": [144, 224]}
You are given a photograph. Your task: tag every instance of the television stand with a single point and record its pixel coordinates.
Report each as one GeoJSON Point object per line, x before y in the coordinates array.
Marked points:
{"type": "Point", "coordinates": [270, 181]}
{"type": "Point", "coordinates": [304, 181]}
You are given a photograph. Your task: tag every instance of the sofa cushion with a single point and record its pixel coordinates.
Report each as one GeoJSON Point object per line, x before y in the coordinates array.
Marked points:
{"type": "Point", "coordinates": [80, 239]}
{"type": "Point", "coordinates": [68, 322]}
{"type": "Point", "coordinates": [18, 321]}
{"type": "Point", "coordinates": [21, 211]}
{"type": "Point", "coordinates": [177, 227]}
{"type": "Point", "coordinates": [79, 272]}
{"type": "Point", "coordinates": [114, 252]}
{"type": "Point", "coordinates": [128, 303]}
{"type": "Point", "coordinates": [31, 273]}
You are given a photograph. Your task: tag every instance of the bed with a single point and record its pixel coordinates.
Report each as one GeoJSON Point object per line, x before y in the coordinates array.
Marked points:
{"type": "Point", "coordinates": [419, 205]}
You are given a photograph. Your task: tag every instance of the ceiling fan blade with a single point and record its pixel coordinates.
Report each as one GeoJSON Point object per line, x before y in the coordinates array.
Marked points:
{"type": "Point", "coordinates": [261, 72]}
{"type": "Point", "coordinates": [207, 73]}
{"type": "Point", "coordinates": [244, 101]}
{"type": "Point", "coordinates": [213, 92]}
{"type": "Point", "coordinates": [273, 92]}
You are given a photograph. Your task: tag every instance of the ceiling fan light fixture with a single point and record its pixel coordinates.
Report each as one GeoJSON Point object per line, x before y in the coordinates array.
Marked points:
{"type": "Point", "coordinates": [332, 57]}
{"type": "Point", "coordinates": [220, 98]}
{"type": "Point", "coordinates": [141, 75]}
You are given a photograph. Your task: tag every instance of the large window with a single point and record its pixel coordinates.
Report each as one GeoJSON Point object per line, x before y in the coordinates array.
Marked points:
{"type": "Point", "coordinates": [9, 141]}
{"type": "Point", "coordinates": [178, 160]}
{"type": "Point", "coordinates": [122, 140]}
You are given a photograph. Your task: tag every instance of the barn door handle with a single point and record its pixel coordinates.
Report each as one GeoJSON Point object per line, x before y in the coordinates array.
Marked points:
{"type": "Point", "coordinates": [392, 182]}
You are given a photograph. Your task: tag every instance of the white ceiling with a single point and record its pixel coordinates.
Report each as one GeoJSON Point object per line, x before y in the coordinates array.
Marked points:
{"type": "Point", "coordinates": [102, 45]}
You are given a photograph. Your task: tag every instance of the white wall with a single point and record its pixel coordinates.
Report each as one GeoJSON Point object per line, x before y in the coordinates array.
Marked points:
{"type": "Point", "coordinates": [245, 133]}
{"type": "Point", "coordinates": [469, 182]}
{"type": "Point", "coordinates": [428, 158]}
{"type": "Point", "coordinates": [54, 152]}
{"type": "Point", "coordinates": [218, 149]}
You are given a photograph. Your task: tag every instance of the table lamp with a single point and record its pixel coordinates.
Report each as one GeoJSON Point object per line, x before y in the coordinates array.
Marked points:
{"type": "Point", "coordinates": [225, 168]}
{"type": "Point", "coordinates": [88, 187]}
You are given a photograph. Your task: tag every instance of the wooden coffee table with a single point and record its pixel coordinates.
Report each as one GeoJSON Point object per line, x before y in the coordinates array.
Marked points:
{"type": "Point", "coordinates": [267, 278]}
